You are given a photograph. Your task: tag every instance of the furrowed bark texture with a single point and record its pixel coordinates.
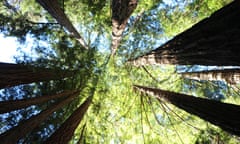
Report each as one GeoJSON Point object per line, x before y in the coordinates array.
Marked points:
{"type": "Point", "coordinates": [231, 76]}
{"type": "Point", "coordinates": [16, 74]}
{"type": "Point", "coordinates": [55, 11]}
{"type": "Point", "coordinates": [13, 135]}
{"type": "Point", "coordinates": [226, 116]}
{"type": "Point", "coordinates": [212, 41]}
{"type": "Point", "coordinates": [64, 134]}
{"type": "Point", "coordinates": [121, 11]}
{"type": "Point", "coordinates": [7, 106]}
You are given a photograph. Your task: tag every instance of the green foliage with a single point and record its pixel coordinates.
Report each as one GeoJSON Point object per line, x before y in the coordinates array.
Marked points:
{"type": "Point", "coordinates": [214, 135]}
{"type": "Point", "coordinates": [184, 14]}
{"type": "Point", "coordinates": [118, 114]}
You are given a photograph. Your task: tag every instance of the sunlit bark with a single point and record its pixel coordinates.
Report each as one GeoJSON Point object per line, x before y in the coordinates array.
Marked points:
{"type": "Point", "coordinates": [7, 106]}
{"type": "Point", "coordinates": [16, 74]}
{"type": "Point", "coordinates": [231, 76]}
{"type": "Point", "coordinates": [64, 134]}
{"type": "Point", "coordinates": [121, 11]}
{"type": "Point", "coordinates": [13, 135]}
{"type": "Point", "coordinates": [212, 41]}
{"type": "Point", "coordinates": [224, 115]}
{"type": "Point", "coordinates": [52, 6]}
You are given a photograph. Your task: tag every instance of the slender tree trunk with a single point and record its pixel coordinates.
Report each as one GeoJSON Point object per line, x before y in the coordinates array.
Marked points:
{"type": "Point", "coordinates": [7, 106]}
{"type": "Point", "coordinates": [121, 11]}
{"type": "Point", "coordinates": [13, 135]}
{"type": "Point", "coordinates": [16, 74]}
{"type": "Point", "coordinates": [231, 76]}
{"type": "Point", "coordinates": [226, 116]}
{"type": "Point", "coordinates": [55, 11]}
{"type": "Point", "coordinates": [213, 41]}
{"type": "Point", "coordinates": [64, 134]}
{"type": "Point", "coordinates": [81, 139]}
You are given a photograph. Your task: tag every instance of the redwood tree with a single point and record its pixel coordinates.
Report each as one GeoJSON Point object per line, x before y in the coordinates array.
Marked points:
{"type": "Point", "coordinates": [7, 106]}
{"type": "Point", "coordinates": [121, 11]}
{"type": "Point", "coordinates": [16, 74]}
{"type": "Point", "coordinates": [64, 134]}
{"type": "Point", "coordinates": [52, 6]}
{"type": "Point", "coordinates": [212, 41]}
{"type": "Point", "coordinates": [224, 115]}
{"type": "Point", "coordinates": [231, 76]}
{"type": "Point", "coordinates": [13, 135]}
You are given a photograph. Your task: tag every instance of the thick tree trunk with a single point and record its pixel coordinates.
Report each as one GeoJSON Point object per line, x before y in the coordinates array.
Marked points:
{"type": "Point", "coordinates": [231, 76]}
{"type": "Point", "coordinates": [64, 134]}
{"type": "Point", "coordinates": [7, 106]}
{"type": "Point", "coordinates": [16, 74]}
{"type": "Point", "coordinates": [55, 11]}
{"type": "Point", "coordinates": [121, 11]}
{"type": "Point", "coordinates": [213, 41]}
{"type": "Point", "coordinates": [226, 116]}
{"type": "Point", "coordinates": [23, 128]}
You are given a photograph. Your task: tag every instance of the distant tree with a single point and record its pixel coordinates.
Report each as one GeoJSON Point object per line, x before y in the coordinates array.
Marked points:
{"type": "Point", "coordinates": [212, 41]}
{"type": "Point", "coordinates": [64, 134]}
{"type": "Point", "coordinates": [121, 11]}
{"type": "Point", "coordinates": [25, 127]}
{"type": "Point", "coordinates": [16, 74]}
{"type": "Point", "coordinates": [231, 76]}
{"type": "Point", "coordinates": [55, 10]}
{"type": "Point", "coordinates": [7, 106]}
{"type": "Point", "coordinates": [224, 115]}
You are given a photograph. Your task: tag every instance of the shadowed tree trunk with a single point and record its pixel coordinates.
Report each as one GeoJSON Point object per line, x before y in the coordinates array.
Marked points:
{"type": "Point", "coordinates": [64, 134]}
{"type": "Point", "coordinates": [13, 135]}
{"type": "Point", "coordinates": [212, 41]}
{"type": "Point", "coordinates": [226, 116]}
{"type": "Point", "coordinates": [7, 106]}
{"type": "Point", "coordinates": [53, 8]}
{"type": "Point", "coordinates": [16, 74]}
{"type": "Point", "coordinates": [231, 76]}
{"type": "Point", "coordinates": [121, 11]}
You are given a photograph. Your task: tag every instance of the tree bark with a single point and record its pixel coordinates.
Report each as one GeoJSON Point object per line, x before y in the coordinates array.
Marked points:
{"type": "Point", "coordinates": [226, 116]}
{"type": "Point", "coordinates": [121, 11]}
{"type": "Point", "coordinates": [13, 135]}
{"type": "Point", "coordinates": [64, 134]}
{"type": "Point", "coordinates": [231, 76]}
{"type": "Point", "coordinates": [7, 106]}
{"type": "Point", "coordinates": [16, 74]}
{"type": "Point", "coordinates": [55, 11]}
{"type": "Point", "coordinates": [212, 41]}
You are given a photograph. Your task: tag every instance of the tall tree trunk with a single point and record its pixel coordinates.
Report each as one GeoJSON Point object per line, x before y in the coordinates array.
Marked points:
{"type": "Point", "coordinates": [121, 11]}
{"type": "Point", "coordinates": [64, 134]}
{"type": "Point", "coordinates": [231, 76]}
{"type": "Point", "coordinates": [213, 41]}
{"type": "Point", "coordinates": [7, 106]}
{"type": "Point", "coordinates": [13, 135]}
{"type": "Point", "coordinates": [16, 74]}
{"type": "Point", "coordinates": [53, 8]}
{"type": "Point", "coordinates": [226, 116]}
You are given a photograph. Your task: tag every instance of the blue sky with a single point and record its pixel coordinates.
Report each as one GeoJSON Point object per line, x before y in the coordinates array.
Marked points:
{"type": "Point", "coordinates": [8, 47]}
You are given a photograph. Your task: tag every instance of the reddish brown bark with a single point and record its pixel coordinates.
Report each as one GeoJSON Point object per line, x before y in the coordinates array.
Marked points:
{"type": "Point", "coordinates": [121, 11]}
{"type": "Point", "coordinates": [17, 74]}
{"type": "Point", "coordinates": [13, 135]}
{"type": "Point", "coordinates": [55, 11]}
{"type": "Point", "coordinates": [224, 115]}
{"type": "Point", "coordinates": [231, 76]}
{"type": "Point", "coordinates": [64, 134]}
{"type": "Point", "coordinates": [7, 106]}
{"type": "Point", "coordinates": [212, 41]}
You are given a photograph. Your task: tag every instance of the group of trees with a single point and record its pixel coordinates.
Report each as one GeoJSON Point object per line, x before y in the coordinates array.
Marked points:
{"type": "Point", "coordinates": [76, 91]}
